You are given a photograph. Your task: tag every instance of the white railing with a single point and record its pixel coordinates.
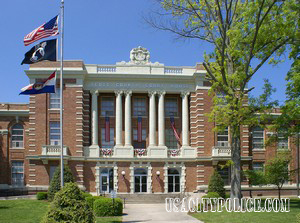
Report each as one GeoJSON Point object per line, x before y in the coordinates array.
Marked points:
{"type": "Point", "coordinates": [53, 150]}
{"type": "Point", "coordinates": [140, 152]}
{"type": "Point", "coordinates": [222, 144]}
{"type": "Point", "coordinates": [174, 152]}
{"type": "Point", "coordinates": [169, 70]}
{"type": "Point", "coordinates": [106, 152]}
{"type": "Point", "coordinates": [106, 69]}
{"type": "Point", "coordinates": [221, 151]}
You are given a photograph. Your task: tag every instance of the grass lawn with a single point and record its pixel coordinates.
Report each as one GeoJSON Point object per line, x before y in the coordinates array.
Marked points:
{"type": "Point", "coordinates": [22, 211]}
{"type": "Point", "coordinates": [251, 217]}
{"type": "Point", "coordinates": [32, 211]}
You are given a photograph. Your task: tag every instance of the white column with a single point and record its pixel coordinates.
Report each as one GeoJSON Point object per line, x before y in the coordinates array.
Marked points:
{"type": "Point", "coordinates": [95, 118]}
{"type": "Point", "coordinates": [185, 119]}
{"type": "Point", "coordinates": [152, 119]}
{"type": "Point", "coordinates": [118, 118]}
{"type": "Point", "coordinates": [161, 118]}
{"type": "Point", "coordinates": [128, 118]}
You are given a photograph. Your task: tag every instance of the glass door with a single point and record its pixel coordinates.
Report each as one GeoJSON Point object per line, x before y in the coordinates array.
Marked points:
{"type": "Point", "coordinates": [107, 180]}
{"type": "Point", "coordinates": [140, 180]}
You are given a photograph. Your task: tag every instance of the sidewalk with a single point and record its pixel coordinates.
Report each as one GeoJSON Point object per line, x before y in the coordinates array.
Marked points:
{"type": "Point", "coordinates": [154, 213]}
{"type": "Point", "coordinates": [31, 197]}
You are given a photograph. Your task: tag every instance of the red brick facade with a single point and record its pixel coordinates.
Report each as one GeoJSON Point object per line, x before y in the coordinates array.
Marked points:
{"type": "Point", "coordinates": [35, 117]}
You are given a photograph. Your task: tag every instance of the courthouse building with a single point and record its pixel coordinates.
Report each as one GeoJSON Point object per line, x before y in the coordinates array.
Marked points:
{"type": "Point", "coordinates": [132, 127]}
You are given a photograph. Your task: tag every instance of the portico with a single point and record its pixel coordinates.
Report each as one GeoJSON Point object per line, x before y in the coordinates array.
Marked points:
{"type": "Point", "coordinates": [153, 83]}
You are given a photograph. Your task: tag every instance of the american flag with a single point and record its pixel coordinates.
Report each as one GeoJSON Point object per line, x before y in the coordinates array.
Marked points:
{"type": "Point", "coordinates": [107, 129]}
{"type": "Point", "coordinates": [139, 130]}
{"type": "Point", "coordinates": [47, 29]}
{"type": "Point", "coordinates": [172, 121]}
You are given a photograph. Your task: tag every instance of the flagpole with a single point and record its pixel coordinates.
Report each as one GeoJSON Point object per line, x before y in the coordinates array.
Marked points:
{"type": "Point", "coordinates": [61, 92]}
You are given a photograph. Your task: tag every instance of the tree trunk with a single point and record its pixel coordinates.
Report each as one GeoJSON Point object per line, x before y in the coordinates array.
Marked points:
{"type": "Point", "coordinates": [279, 190]}
{"type": "Point", "coordinates": [235, 192]}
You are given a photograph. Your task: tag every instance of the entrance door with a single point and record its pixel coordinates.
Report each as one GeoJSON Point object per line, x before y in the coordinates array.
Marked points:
{"type": "Point", "coordinates": [173, 180]}
{"type": "Point", "coordinates": [107, 180]}
{"type": "Point", "coordinates": [140, 180]}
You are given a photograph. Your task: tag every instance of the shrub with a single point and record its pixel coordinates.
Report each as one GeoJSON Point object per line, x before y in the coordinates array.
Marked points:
{"type": "Point", "coordinates": [55, 182]}
{"type": "Point", "coordinates": [227, 195]}
{"type": "Point", "coordinates": [41, 195]}
{"type": "Point", "coordinates": [216, 184]}
{"type": "Point", "coordinates": [211, 195]}
{"type": "Point", "coordinates": [91, 199]}
{"type": "Point", "coordinates": [104, 207]}
{"type": "Point", "coordinates": [69, 205]}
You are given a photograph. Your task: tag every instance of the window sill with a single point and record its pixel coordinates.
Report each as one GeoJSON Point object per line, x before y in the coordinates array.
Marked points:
{"type": "Point", "coordinates": [17, 148]}
{"type": "Point", "coordinates": [258, 150]}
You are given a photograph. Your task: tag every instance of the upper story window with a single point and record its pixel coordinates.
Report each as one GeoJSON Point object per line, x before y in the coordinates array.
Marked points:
{"type": "Point", "coordinates": [222, 138]}
{"type": "Point", "coordinates": [221, 99]}
{"type": "Point", "coordinates": [55, 99]}
{"type": "Point", "coordinates": [139, 143]}
{"type": "Point", "coordinates": [17, 136]}
{"type": "Point", "coordinates": [258, 166]}
{"type": "Point", "coordinates": [107, 141]}
{"type": "Point", "coordinates": [171, 141]}
{"type": "Point", "coordinates": [107, 106]}
{"type": "Point", "coordinates": [171, 107]}
{"type": "Point", "coordinates": [283, 141]}
{"type": "Point", "coordinates": [258, 138]}
{"type": "Point", "coordinates": [54, 133]}
{"type": "Point", "coordinates": [139, 107]}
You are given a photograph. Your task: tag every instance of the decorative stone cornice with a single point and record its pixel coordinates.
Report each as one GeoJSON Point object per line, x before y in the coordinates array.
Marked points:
{"type": "Point", "coordinates": [184, 93]}
{"type": "Point", "coordinates": [161, 93]}
{"type": "Point", "coordinates": [3, 131]}
{"type": "Point", "coordinates": [150, 93]}
{"type": "Point", "coordinates": [96, 92]}
{"type": "Point", "coordinates": [119, 92]}
{"type": "Point", "coordinates": [128, 93]}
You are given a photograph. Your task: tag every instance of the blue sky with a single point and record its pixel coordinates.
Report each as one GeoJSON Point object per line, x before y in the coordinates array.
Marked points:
{"type": "Point", "coordinates": [101, 32]}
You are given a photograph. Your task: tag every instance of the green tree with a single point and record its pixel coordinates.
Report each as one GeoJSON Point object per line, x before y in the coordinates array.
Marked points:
{"type": "Point", "coordinates": [289, 120]}
{"type": "Point", "coordinates": [55, 182]}
{"type": "Point", "coordinates": [277, 171]}
{"type": "Point", "coordinates": [69, 205]}
{"type": "Point", "coordinates": [244, 35]}
{"type": "Point", "coordinates": [216, 184]}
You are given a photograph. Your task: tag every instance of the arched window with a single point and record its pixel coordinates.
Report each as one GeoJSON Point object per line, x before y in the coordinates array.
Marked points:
{"type": "Point", "coordinates": [17, 136]}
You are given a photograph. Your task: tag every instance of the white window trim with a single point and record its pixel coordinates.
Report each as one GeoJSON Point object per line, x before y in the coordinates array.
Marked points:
{"type": "Point", "coordinates": [12, 142]}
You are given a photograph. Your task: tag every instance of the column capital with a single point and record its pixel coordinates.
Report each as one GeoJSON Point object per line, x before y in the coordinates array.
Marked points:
{"type": "Point", "coordinates": [150, 93]}
{"type": "Point", "coordinates": [161, 93]}
{"type": "Point", "coordinates": [184, 93]}
{"type": "Point", "coordinates": [96, 92]}
{"type": "Point", "coordinates": [128, 92]}
{"type": "Point", "coordinates": [118, 92]}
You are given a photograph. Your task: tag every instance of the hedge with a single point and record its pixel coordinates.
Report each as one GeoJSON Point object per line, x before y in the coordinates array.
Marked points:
{"type": "Point", "coordinates": [42, 195]}
{"type": "Point", "coordinates": [104, 207]}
